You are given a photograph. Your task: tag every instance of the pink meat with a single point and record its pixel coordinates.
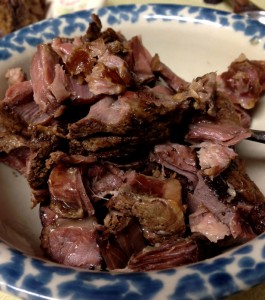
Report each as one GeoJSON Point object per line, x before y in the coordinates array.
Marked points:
{"type": "Point", "coordinates": [68, 194]}
{"type": "Point", "coordinates": [220, 132]}
{"type": "Point", "coordinates": [73, 243]}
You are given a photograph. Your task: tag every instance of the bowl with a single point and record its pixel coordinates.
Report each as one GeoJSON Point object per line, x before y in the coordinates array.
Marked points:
{"type": "Point", "coordinates": [192, 41]}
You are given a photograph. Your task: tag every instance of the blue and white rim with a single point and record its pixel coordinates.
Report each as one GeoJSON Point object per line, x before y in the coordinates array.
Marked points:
{"type": "Point", "coordinates": [75, 23]}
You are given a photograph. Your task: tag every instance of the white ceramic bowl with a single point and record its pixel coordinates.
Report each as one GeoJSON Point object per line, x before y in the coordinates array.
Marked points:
{"type": "Point", "coordinates": [192, 41]}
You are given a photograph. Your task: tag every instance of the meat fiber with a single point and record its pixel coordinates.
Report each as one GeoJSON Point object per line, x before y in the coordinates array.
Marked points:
{"type": "Point", "coordinates": [167, 255]}
{"type": "Point", "coordinates": [15, 75]}
{"type": "Point", "coordinates": [243, 82]}
{"type": "Point", "coordinates": [42, 73]}
{"type": "Point", "coordinates": [214, 158]}
{"type": "Point", "coordinates": [225, 214]}
{"type": "Point", "coordinates": [118, 246]}
{"type": "Point", "coordinates": [178, 158]}
{"type": "Point", "coordinates": [128, 114]}
{"type": "Point", "coordinates": [132, 166]}
{"type": "Point", "coordinates": [222, 132]}
{"type": "Point", "coordinates": [68, 195]}
{"type": "Point", "coordinates": [71, 242]}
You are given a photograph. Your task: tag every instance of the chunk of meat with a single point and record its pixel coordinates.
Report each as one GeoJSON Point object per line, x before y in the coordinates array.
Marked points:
{"type": "Point", "coordinates": [71, 242]}
{"type": "Point", "coordinates": [214, 158]}
{"type": "Point", "coordinates": [80, 61]}
{"type": "Point", "coordinates": [17, 158]}
{"type": "Point", "coordinates": [178, 158]}
{"type": "Point", "coordinates": [205, 196]}
{"type": "Point", "coordinates": [141, 60]}
{"type": "Point", "coordinates": [18, 110]}
{"type": "Point", "coordinates": [243, 82]}
{"type": "Point", "coordinates": [94, 28]}
{"type": "Point", "coordinates": [15, 75]}
{"type": "Point", "coordinates": [64, 47]}
{"type": "Point", "coordinates": [10, 142]}
{"type": "Point", "coordinates": [104, 80]}
{"type": "Point", "coordinates": [44, 140]}
{"type": "Point", "coordinates": [221, 132]}
{"type": "Point", "coordinates": [103, 180]}
{"type": "Point", "coordinates": [118, 246]}
{"type": "Point", "coordinates": [42, 73]}
{"type": "Point", "coordinates": [59, 85]}
{"type": "Point", "coordinates": [166, 255]}
{"type": "Point", "coordinates": [246, 188]}
{"type": "Point", "coordinates": [131, 113]}
{"type": "Point", "coordinates": [114, 62]}
{"type": "Point", "coordinates": [204, 222]}
{"type": "Point", "coordinates": [156, 204]}
{"type": "Point", "coordinates": [200, 93]}
{"type": "Point", "coordinates": [18, 95]}
{"type": "Point", "coordinates": [159, 218]}
{"type": "Point", "coordinates": [68, 194]}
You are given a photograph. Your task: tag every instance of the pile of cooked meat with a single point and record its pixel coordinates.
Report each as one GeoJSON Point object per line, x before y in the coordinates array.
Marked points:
{"type": "Point", "coordinates": [132, 167]}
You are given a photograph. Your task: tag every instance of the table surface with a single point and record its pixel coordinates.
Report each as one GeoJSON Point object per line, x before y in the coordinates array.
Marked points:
{"type": "Point", "coordinates": [255, 293]}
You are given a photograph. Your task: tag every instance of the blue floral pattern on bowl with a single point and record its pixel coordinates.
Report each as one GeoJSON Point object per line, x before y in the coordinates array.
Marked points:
{"type": "Point", "coordinates": [34, 278]}
{"type": "Point", "coordinates": [74, 23]}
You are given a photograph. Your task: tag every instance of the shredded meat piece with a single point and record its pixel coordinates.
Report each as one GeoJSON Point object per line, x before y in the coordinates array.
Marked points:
{"type": "Point", "coordinates": [243, 82]}
{"type": "Point", "coordinates": [214, 158]}
{"type": "Point", "coordinates": [169, 254]}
